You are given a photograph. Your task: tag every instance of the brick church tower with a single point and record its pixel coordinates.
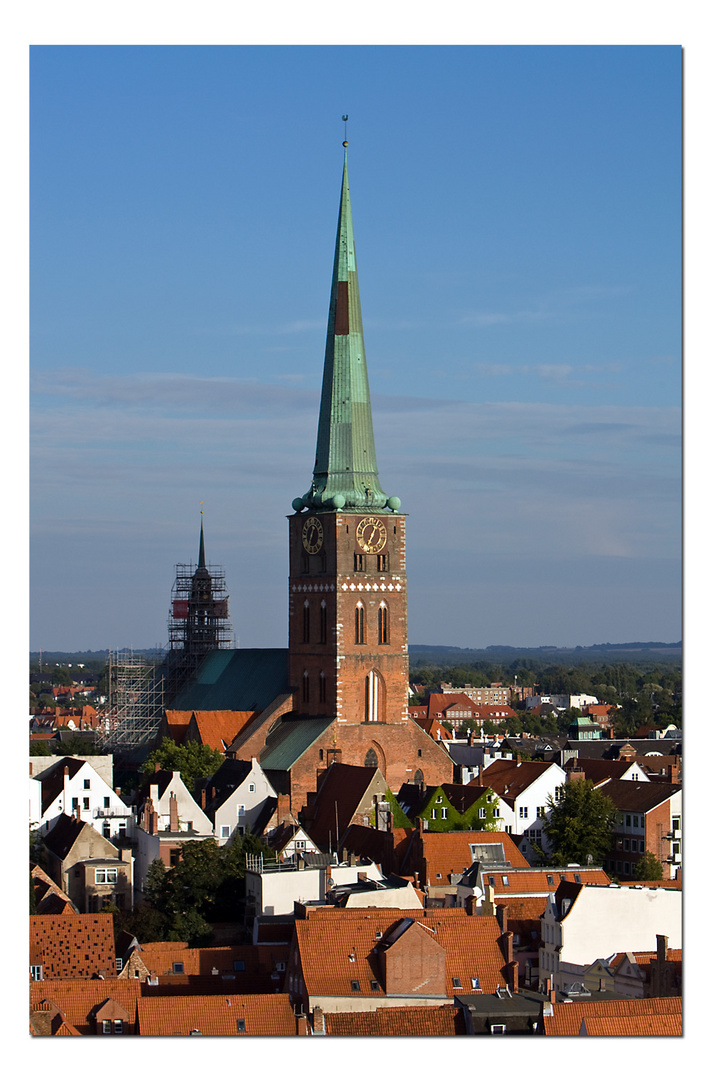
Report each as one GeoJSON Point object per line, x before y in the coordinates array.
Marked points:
{"type": "Point", "coordinates": [347, 580]}
{"type": "Point", "coordinates": [347, 659]}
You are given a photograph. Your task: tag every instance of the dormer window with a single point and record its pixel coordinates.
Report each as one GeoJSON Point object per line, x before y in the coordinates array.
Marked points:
{"type": "Point", "coordinates": [456, 983]}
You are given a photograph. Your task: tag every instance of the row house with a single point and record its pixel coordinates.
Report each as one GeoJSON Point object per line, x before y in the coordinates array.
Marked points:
{"type": "Point", "coordinates": [524, 789]}
{"type": "Point", "coordinates": [73, 787]}
{"type": "Point", "coordinates": [649, 818]}
{"type": "Point", "coordinates": [238, 799]}
{"type": "Point", "coordinates": [584, 922]}
{"type": "Point", "coordinates": [355, 961]}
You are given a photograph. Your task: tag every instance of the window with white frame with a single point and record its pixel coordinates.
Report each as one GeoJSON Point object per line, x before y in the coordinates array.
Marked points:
{"type": "Point", "coordinates": [36, 971]}
{"type": "Point", "coordinates": [523, 811]}
{"type": "Point", "coordinates": [106, 875]}
{"type": "Point", "coordinates": [540, 811]}
{"type": "Point", "coordinates": [224, 831]}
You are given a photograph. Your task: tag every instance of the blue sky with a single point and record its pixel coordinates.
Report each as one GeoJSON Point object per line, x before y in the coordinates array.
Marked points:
{"type": "Point", "coordinates": [517, 214]}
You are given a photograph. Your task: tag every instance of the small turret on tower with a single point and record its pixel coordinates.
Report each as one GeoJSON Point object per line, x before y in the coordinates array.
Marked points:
{"type": "Point", "coordinates": [199, 619]}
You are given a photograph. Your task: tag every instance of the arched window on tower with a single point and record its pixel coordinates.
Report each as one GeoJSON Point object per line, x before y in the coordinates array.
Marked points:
{"type": "Point", "coordinates": [324, 622]}
{"type": "Point", "coordinates": [322, 688]}
{"type": "Point", "coordinates": [305, 687]}
{"type": "Point", "coordinates": [307, 622]}
{"type": "Point", "coordinates": [359, 624]}
{"type": "Point", "coordinates": [374, 697]}
{"type": "Point", "coordinates": [383, 624]}
{"type": "Point", "coordinates": [371, 759]}
{"type": "Point", "coordinates": [419, 778]}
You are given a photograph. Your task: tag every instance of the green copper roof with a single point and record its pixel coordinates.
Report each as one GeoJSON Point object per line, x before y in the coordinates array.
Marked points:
{"type": "Point", "coordinates": [346, 472]}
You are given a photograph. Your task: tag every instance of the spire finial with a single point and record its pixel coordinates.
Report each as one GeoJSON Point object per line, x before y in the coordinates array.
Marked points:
{"type": "Point", "coordinates": [201, 554]}
{"type": "Point", "coordinates": [345, 129]}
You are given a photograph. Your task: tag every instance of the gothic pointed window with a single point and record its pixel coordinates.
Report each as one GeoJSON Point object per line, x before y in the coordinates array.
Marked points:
{"type": "Point", "coordinates": [373, 697]}
{"type": "Point", "coordinates": [418, 776]}
{"type": "Point", "coordinates": [359, 624]}
{"type": "Point", "coordinates": [305, 687]}
{"type": "Point", "coordinates": [324, 622]}
{"type": "Point", "coordinates": [371, 759]}
{"type": "Point", "coordinates": [322, 687]}
{"type": "Point", "coordinates": [383, 624]}
{"type": "Point", "coordinates": [307, 622]}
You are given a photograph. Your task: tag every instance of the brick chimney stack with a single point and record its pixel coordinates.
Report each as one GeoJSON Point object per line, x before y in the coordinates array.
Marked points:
{"type": "Point", "coordinates": [173, 811]}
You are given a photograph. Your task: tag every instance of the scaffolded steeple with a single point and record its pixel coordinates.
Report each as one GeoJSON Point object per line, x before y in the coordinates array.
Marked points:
{"type": "Point", "coordinates": [345, 473]}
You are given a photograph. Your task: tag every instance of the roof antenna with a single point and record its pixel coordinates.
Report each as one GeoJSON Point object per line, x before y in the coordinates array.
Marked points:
{"type": "Point", "coordinates": [345, 129]}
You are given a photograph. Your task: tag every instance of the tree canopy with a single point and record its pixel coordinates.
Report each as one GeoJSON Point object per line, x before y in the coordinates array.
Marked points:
{"type": "Point", "coordinates": [193, 760]}
{"type": "Point", "coordinates": [205, 886]}
{"type": "Point", "coordinates": [648, 868]}
{"type": "Point", "coordinates": [580, 824]}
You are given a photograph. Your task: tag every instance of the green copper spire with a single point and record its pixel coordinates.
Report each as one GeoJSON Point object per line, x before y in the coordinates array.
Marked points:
{"type": "Point", "coordinates": [346, 472]}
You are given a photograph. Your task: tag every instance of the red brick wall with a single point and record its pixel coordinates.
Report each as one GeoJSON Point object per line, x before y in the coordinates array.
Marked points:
{"type": "Point", "coordinates": [330, 577]}
{"type": "Point", "coordinates": [401, 749]}
{"type": "Point", "coordinates": [415, 963]}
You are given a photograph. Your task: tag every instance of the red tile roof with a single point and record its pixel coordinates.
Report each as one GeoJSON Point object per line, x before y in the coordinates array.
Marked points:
{"type": "Point", "coordinates": [507, 777]}
{"type": "Point", "coordinates": [78, 998]}
{"type": "Point", "coordinates": [424, 1020]}
{"type": "Point", "coordinates": [536, 881]}
{"type": "Point", "coordinates": [219, 728]}
{"type": "Point", "coordinates": [568, 1016]}
{"type": "Point", "coordinates": [339, 946]}
{"type": "Point", "coordinates": [450, 853]}
{"type": "Point", "coordinates": [664, 1025]}
{"type": "Point", "coordinates": [223, 1014]}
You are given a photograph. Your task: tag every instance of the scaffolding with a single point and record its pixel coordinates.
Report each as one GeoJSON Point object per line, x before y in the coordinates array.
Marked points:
{"type": "Point", "coordinates": [199, 621]}
{"type": "Point", "coordinates": [136, 697]}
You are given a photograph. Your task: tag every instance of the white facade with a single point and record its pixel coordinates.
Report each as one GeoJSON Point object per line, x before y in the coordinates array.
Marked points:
{"type": "Point", "coordinates": [241, 808]}
{"type": "Point", "coordinates": [85, 793]}
{"type": "Point", "coordinates": [275, 891]}
{"type": "Point", "coordinates": [190, 816]}
{"type": "Point", "coordinates": [561, 701]}
{"type": "Point", "coordinates": [601, 921]}
{"type": "Point", "coordinates": [530, 808]}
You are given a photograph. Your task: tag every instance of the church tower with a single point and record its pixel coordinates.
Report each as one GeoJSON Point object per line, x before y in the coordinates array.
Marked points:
{"type": "Point", "coordinates": [347, 582]}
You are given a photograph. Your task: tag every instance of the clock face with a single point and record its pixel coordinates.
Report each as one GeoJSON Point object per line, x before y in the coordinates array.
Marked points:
{"type": "Point", "coordinates": [371, 535]}
{"type": "Point", "coordinates": [312, 535]}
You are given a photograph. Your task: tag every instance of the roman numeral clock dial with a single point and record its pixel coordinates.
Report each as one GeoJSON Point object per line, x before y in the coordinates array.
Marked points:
{"type": "Point", "coordinates": [312, 535]}
{"type": "Point", "coordinates": [371, 535]}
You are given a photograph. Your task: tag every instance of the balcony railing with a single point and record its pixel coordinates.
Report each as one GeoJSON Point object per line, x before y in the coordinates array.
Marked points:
{"type": "Point", "coordinates": [111, 811]}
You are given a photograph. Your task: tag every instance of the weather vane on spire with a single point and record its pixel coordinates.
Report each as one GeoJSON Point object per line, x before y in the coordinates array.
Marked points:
{"type": "Point", "coordinates": [345, 129]}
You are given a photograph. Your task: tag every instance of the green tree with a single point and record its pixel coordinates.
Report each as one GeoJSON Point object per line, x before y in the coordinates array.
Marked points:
{"type": "Point", "coordinates": [193, 760]}
{"type": "Point", "coordinates": [648, 868]}
{"type": "Point", "coordinates": [580, 824]}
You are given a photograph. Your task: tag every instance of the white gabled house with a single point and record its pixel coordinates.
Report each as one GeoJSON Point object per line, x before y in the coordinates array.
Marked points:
{"type": "Point", "coordinates": [165, 795]}
{"type": "Point", "coordinates": [71, 786]}
{"type": "Point", "coordinates": [582, 923]}
{"type": "Point", "coordinates": [238, 799]}
{"type": "Point", "coordinates": [524, 788]}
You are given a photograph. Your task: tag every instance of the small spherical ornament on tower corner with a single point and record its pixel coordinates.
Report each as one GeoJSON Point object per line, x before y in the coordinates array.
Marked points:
{"type": "Point", "coordinates": [371, 535]}
{"type": "Point", "coordinates": [312, 535]}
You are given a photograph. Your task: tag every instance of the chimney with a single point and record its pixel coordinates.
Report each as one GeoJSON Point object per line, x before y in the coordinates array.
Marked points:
{"type": "Point", "coordinates": [319, 1027]}
{"type": "Point", "coordinates": [118, 791]}
{"type": "Point", "coordinates": [509, 945]}
{"type": "Point", "coordinates": [203, 798]}
{"type": "Point", "coordinates": [662, 947]}
{"type": "Point", "coordinates": [513, 976]}
{"type": "Point", "coordinates": [487, 907]}
{"type": "Point", "coordinates": [173, 811]}
{"type": "Point", "coordinates": [502, 911]}
{"type": "Point", "coordinates": [283, 807]}
{"type": "Point", "coordinates": [156, 767]}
